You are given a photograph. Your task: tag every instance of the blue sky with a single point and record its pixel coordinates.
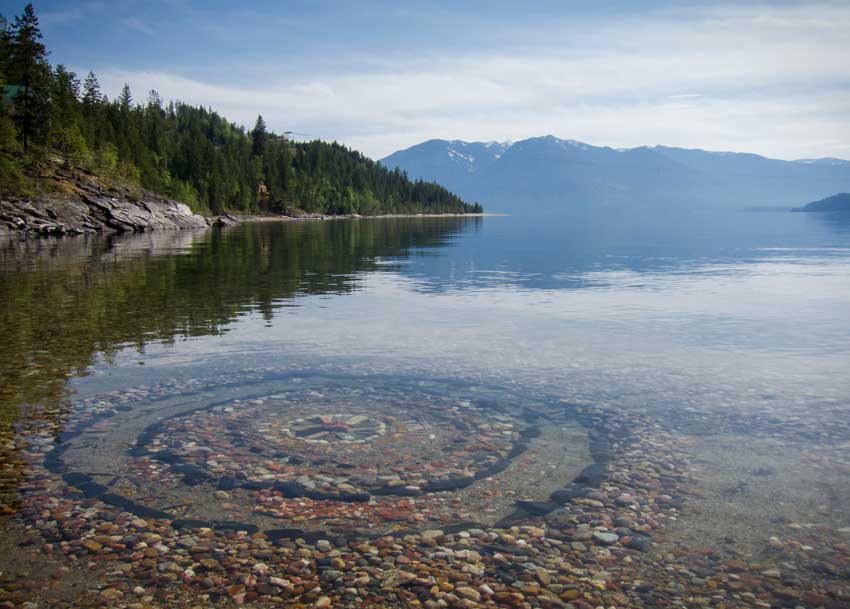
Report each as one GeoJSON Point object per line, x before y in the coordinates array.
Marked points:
{"type": "Point", "coordinates": [770, 78]}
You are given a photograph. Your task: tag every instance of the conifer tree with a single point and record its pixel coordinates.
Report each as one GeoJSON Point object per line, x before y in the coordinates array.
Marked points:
{"type": "Point", "coordinates": [91, 91]}
{"type": "Point", "coordinates": [189, 153]}
{"type": "Point", "coordinates": [259, 137]}
{"type": "Point", "coordinates": [11, 177]}
{"type": "Point", "coordinates": [5, 44]}
{"type": "Point", "coordinates": [65, 120]}
{"type": "Point", "coordinates": [154, 100]}
{"type": "Point", "coordinates": [28, 67]}
{"type": "Point", "coordinates": [125, 99]}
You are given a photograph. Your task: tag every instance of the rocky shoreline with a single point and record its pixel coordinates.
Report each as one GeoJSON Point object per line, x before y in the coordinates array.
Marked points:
{"type": "Point", "coordinates": [82, 205]}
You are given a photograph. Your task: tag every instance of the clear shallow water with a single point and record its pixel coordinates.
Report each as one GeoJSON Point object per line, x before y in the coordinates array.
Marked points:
{"type": "Point", "coordinates": [731, 312]}
{"type": "Point", "coordinates": [742, 312]}
{"type": "Point", "coordinates": [734, 327]}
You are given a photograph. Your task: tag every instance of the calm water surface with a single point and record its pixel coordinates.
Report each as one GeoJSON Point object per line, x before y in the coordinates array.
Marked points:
{"type": "Point", "coordinates": [712, 326]}
{"type": "Point", "coordinates": [732, 313]}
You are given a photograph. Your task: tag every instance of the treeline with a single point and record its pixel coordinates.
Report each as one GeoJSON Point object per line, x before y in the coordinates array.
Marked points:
{"type": "Point", "coordinates": [189, 153]}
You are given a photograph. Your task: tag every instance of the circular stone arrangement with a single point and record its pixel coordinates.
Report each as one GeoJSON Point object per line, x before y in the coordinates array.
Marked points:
{"type": "Point", "coordinates": [92, 512]}
{"type": "Point", "coordinates": [336, 445]}
{"type": "Point", "coordinates": [305, 453]}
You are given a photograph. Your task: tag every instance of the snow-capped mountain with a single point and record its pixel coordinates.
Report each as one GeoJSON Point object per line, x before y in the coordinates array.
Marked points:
{"type": "Point", "coordinates": [553, 173]}
{"type": "Point", "coordinates": [453, 159]}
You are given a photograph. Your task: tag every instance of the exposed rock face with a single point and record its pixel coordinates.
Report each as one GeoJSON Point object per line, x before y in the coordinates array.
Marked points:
{"type": "Point", "coordinates": [88, 207]}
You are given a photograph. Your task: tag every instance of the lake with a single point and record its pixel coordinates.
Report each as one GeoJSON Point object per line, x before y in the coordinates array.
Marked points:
{"type": "Point", "coordinates": [430, 412]}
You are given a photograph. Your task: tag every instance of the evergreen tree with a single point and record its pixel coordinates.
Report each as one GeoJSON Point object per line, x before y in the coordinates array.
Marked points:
{"type": "Point", "coordinates": [28, 67]}
{"type": "Point", "coordinates": [5, 44]}
{"type": "Point", "coordinates": [125, 99]}
{"type": "Point", "coordinates": [259, 137]}
{"type": "Point", "coordinates": [92, 95]}
{"type": "Point", "coordinates": [154, 100]}
{"type": "Point", "coordinates": [189, 153]}
{"type": "Point", "coordinates": [65, 115]}
{"type": "Point", "coordinates": [11, 177]}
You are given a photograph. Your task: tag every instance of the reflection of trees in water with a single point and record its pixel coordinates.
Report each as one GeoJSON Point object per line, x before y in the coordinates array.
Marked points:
{"type": "Point", "coordinates": [65, 301]}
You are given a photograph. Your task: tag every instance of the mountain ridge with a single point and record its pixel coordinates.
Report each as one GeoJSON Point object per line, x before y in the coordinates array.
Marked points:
{"type": "Point", "coordinates": [553, 173]}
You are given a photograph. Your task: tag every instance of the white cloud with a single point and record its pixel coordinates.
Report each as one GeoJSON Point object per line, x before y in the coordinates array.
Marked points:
{"type": "Point", "coordinates": [59, 17]}
{"type": "Point", "coordinates": [137, 25]}
{"type": "Point", "coordinates": [771, 80]}
{"type": "Point", "coordinates": [67, 15]}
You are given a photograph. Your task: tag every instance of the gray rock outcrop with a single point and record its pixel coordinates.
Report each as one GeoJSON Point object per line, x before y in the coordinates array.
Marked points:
{"type": "Point", "coordinates": [88, 207]}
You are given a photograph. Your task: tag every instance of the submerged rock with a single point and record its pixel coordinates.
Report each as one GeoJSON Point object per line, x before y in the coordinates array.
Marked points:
{"type": "Point", "coordinates": [606, 538]}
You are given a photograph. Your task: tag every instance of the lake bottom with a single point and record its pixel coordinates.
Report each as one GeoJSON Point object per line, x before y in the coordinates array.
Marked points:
{"type": "Point", "coordinates": [311, 487]}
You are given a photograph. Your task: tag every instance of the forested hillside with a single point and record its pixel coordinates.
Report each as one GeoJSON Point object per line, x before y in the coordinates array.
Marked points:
{"type": "Point", "coordinates": [49, 115]}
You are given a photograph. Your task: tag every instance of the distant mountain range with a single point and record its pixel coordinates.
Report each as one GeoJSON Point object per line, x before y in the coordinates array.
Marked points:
{"type": "Point", "coordinates": [548, 173]}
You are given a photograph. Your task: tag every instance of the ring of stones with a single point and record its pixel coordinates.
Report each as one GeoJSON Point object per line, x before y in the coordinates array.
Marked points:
{"type": "Point", "coordinates": [338, 444]}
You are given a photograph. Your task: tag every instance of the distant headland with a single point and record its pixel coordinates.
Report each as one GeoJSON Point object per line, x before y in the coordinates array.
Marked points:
{"type": "Point", "coordinates": [839, 202]}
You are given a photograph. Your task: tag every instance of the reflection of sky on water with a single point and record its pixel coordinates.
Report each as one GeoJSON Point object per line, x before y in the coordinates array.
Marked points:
{"type": "Point", "coordinates": [762, 325]}
{"type": "Point", "coordinates": [554, 253]}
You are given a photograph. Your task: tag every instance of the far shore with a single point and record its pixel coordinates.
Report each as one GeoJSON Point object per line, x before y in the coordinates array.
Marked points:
{"type": "Point", "coordinates": [234, 219]}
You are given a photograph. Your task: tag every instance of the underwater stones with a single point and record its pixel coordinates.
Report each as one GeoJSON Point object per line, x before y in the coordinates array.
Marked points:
{"type": "Point", "coordinates": [387, 551]}
{"type": "Point", "coordinates": [605, 537]}
{"type": "Point", "coordinates": [565, 495]}
{"type": "Point", "coordinates": [431, 535]}
{"type": "Point", "coordinates": [395, 578]}
{"type": "Point", "coordinates": [331, 575]}
{"type": "Point", "coordinates": [334, 456]}
{"type": "Point", "coordinates": [581, 534]}
{"type": "Point", "coordinates": [469, 593]}
{"type": "Point", "coordinates": [592, 475]}
{"type": "Point", "coordinates": [210, 564]}
{"type": "Point", "coordinates": [336, 428]}
{"type": "Point", "coordinates": [538, 508]}
{"type": "Point", "coordinates": [306, 482]}
{"type": "Point", "coordinates": [111, 595]}
{"type": "Point", "coordinates": [280, 582]}
{"type": "Point", "coordinates": [289, 490]}
{"type": "Point", "coordinates": [247, 454]}
{"type": "Point", "coordinates": [640, 543]}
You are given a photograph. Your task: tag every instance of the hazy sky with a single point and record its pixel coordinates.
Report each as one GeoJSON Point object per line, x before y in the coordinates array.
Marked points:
{"type": "Point", "coordinates": [770, 78]}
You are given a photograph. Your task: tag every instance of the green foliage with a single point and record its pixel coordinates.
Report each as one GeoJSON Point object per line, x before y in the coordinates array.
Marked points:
{"type": "Point", "coordinates": [107, 161]}
{"type": "Point", "coordinates": [70, 141]}
{"type": "Point", "coordinates": [125, 99]}
{"type": "Point", "coordinates": [66, 134]}
{"type": "Point", "coordinates": [182, 191]}
{"type": "Point", "coordinates": [26, 65]}
{"type": "Point", "coordinates": [189, 153]}
{"type": "Point", "coordinates": [259, 137]}
{"type": "Point", "coordinates": [12, 180]}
